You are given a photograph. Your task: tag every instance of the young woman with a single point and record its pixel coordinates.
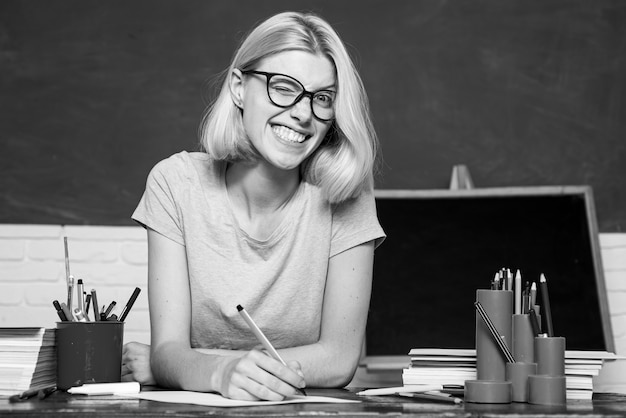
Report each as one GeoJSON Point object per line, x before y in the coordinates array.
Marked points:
{"type": "Point", "coordinates": [277, 215]}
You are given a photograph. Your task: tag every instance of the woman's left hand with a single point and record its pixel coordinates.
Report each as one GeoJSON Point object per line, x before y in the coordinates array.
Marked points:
{"type": "Point", "coordinates": [136, 364]}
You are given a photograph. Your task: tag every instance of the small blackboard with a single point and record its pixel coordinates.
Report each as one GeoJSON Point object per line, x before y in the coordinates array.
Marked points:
{"type": "Point", "coordinates": [443, 245]}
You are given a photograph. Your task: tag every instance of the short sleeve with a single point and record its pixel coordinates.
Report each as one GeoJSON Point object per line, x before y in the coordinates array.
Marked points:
{"type": "Point", "coordinates": [158, 209]}
{"type": "Point", "coordinates": [355, 222]}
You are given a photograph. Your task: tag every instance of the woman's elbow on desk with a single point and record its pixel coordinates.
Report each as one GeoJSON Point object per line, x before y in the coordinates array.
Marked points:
{"type": "Point", "coordinates": [334, 367]}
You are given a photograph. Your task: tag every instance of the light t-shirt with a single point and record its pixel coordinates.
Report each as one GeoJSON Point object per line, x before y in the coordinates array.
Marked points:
{"type": "Point", "coordinates": [280, 281]}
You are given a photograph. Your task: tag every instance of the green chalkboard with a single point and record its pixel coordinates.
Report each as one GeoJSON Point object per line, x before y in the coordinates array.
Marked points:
{"type": "Point", "coordinates": [525, 93]}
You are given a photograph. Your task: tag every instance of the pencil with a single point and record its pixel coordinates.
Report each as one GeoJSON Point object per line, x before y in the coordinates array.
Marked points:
{"type": "Point", "coordinates": [518, 293]}
{"type": "Point", "coordinates": [67, 262]}
{"type": "Point", "coordinates": [547, 312]}
{"type": "Point", "coordinates": [263, 339]}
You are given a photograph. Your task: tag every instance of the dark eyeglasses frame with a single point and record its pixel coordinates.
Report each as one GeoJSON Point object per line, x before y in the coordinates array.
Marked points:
{"type": "Point", "coordinates": [305, 92]}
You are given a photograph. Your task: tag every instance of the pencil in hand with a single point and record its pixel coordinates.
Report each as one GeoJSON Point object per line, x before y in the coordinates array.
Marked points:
{"type": "Point", "coordinates": [263, 339]}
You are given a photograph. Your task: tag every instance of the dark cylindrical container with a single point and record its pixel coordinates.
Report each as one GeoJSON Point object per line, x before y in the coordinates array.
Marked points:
{"type": "Point", "coordinates": [89, 352]}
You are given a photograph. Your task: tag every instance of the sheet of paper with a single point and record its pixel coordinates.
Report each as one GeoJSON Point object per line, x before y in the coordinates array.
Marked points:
{"type": "Point", "coordinates": [212, 399]}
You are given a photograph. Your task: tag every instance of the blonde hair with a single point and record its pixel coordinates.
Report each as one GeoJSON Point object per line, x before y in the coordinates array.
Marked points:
{"type": "Point", "coordinates": [344, 162]}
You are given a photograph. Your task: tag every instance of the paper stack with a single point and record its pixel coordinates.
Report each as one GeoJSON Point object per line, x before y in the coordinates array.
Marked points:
{"type": "Point", "coordinates": [455, 366]}
{"type": "Point", "coordinates": [27, 359]}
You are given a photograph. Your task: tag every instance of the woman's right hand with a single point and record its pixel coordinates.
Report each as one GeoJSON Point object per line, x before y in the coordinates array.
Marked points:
{"type": "Point", "coordinates": [256, 376]}
{"type": "Point", "coordinates": [136, 364]}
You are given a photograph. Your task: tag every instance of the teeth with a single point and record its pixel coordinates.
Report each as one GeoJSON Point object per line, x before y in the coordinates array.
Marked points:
{"type": "Point", "coordinates": [288, 134]}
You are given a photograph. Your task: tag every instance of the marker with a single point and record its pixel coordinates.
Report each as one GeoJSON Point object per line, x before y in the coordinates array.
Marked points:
{"type": "Point", "coordinates": [94, 303]}
{"type": "Point", "coordinates": [547, 312]}
{"type": "Point", "coordinates": [129, 304]}
{"type": "Point", "coordinates": [110, 308]}
{"type": "Point", "coordinates": [59, 309]}
{"type": "Point", "coordinates": [79, 315]}
{"type": "Point", "coordinates": [67, 312]}
{"type": "Point", "coordinates": [87, 302]}
{"type": "Point", "coordinates": [263, 339]}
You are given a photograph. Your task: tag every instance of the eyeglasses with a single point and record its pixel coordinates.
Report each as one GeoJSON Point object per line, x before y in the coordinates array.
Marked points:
{"type": "Point", "coordinates": [285, 91]}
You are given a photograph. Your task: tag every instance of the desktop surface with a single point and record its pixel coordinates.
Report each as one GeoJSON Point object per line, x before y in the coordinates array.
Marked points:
{"type": "Point", "coordinates": [60, 403]}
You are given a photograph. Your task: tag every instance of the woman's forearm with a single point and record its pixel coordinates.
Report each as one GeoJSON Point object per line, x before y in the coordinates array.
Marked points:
{"type": "Point", "coordinates": [175, 366]}
{"type": "Point", "coordinates": [324, 365]}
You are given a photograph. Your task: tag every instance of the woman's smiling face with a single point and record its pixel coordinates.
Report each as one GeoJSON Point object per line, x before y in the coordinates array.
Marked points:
{"type": "Point", "coordinates": [285, 137]}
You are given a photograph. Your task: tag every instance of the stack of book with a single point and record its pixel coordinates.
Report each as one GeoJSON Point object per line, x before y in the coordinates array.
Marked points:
{"type": "Point", "coordinates": [455, 366]}
{"type": "Point", "coordinates": [27, 359]}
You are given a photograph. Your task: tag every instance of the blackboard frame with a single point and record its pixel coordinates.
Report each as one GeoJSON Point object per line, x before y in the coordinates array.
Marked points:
{"type": "Point", "coordinates": [582, 196]}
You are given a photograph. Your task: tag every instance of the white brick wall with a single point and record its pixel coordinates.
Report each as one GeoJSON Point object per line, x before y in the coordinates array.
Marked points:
{"type": "Point", "coordinates": [113, 260]}
{"type": "Point", "coordinates": [614, 261]}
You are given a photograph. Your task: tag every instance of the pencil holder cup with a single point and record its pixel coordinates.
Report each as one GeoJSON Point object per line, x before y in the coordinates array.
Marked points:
{"type": "Point", "coordinates": [498, 304]}
{"type": "Point", "coordinates": [89, 352]}
{"type": "Point", "coordinates": [523, 339]}
{"type": "Point", "coordinates": [548, 386]}
{"type": "Point", "coordinates": [491, 385]}
{"type": "Point", "coordinates": [547, 390]}
{"type": "Point", "coordinates": [517, 374]}
{"type": "Point", "coordinates": [550, 356]}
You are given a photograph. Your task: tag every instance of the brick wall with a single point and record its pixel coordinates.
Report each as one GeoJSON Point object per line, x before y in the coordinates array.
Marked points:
{"type": "Point", "coordinates": [112, 260]}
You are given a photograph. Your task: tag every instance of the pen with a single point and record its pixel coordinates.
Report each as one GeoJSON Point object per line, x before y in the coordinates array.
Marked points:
{"type": "Point", "coordinates": [509, 279]}
{"type": "Point", "coordinates": [435, 397]}
{"type": "Point", "coordinates": [534, 322]}
{"type": "Point", "coordinates": [547, 312]}
{"type": "Point", "coordinates": [31, 393]}
{"type": "Point", "coordinates": [94, 303]}
{"type": "Point", "coordinates": [494, 332]}
{"type": "Point", "coordinates": [399, 389]}
{"type": "Point", "coordinates": [263, 339]}
{"type": "Point", "coordinates": [80, 298]}
{"type": "Point", "coordinates": [70, 292]}
{"type": "Point", "coordinates": [59, 309]}
{"type": "Point", "coordinates": [129, 304]}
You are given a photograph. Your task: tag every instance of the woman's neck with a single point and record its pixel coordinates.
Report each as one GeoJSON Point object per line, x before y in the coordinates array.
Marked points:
{"type": "Point", "coordinates": [258, 188]}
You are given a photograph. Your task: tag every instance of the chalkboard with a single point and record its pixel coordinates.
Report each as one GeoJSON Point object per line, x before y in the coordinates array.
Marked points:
{"type": "Point", "coordinates": [444, 245]}
{"type": "Point", "coordinates": [525, 93]}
